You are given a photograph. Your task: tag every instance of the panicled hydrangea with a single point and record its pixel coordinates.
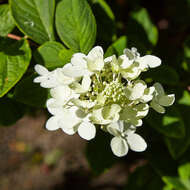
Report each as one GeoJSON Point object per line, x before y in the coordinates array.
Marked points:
{"type": "Point", "coordinates": [91, 92]}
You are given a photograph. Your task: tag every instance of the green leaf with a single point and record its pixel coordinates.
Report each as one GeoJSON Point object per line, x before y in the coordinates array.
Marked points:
{"type": "Point", "coordinates": [14, 60]}
{"type": "Point", "coordinates": [6, 20]}
{"type": "Point", "coordinates": [105, 19]}
{"type": "Point", "coordinates": [186, 61]}
{"type": "Point", "coordinates": [141, 32]}
{"type": "Point", "coordinates": [163, 74]}
{"type": "Point", "coordinates": [167, 187]}
{"type": "Point", "coordinates": [178, 146]}
{"type": "Point", "coordinates": [10, 111]}
{"type": "Point", "coordinates": [30, 93]}
{"type": "Point", "coordinates": [185, 99]}
{"type": "Point", "coordinates": [35, 18]}
{"type": "Point", "coordinates": [170, 124]}
{"type": "Point", "coordinates": [144, 178]}
{"type": "Point", "coordinates": [117, 47]}
{"type": "Point", "coordinates": [99, 154]}
{"type": "Point", "coordinates": [174, 182]}
{"type": "Point", "coordinates": [184, 171]}
{"type": "Point", "coordinates": [53, 55]}
{"type": "Point", "coordinates": [160, 159]}
{"type": "Point", "coordinates": [76, 24]}
{"type": "Point", "coordinates": [142, 17]}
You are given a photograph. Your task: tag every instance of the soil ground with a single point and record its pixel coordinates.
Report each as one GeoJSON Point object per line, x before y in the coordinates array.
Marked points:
{"type": "Point", "coordinates": [32, 158]}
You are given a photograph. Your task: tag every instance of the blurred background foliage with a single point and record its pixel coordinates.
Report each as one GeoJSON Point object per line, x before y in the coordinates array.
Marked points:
{"type": "Point", "coordinates": [161, 28]}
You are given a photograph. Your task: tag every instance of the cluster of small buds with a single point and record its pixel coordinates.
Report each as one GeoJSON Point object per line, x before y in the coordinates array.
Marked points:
{"type": "Point", "coordinates": [94, 92]}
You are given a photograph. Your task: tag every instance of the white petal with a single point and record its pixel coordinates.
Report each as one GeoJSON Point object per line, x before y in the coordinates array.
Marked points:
{"type": "Point", "coordinates": [157, 107]}
{"type": "Point", "coordinates": [126, 63]}
{"type": "Point", "coordinates": [138, 90]}
{"type": "Point", "coordinates": [54, 107]}
{"type": "Point", "coordinates": [159, 89]}
{"type": "Point", "coordinates": [119, 146]}
{"type": "Point", "coordinates": [49, 82]}
{"type": "Point", "coordinates": [151, 61]}
{"type": "Point", "coordinates": [61, 78]}
{"type": "Point", "coordinates": [136, 143]}
{"type": "Point", "coordinates": [95, 53]}
{"type": "Point", "coordinates": [39, 79]}
{"type": "Point", "coordinates": [78, 59]}
{"type": "Point", "coordinates": [148, 95]}
{"type": "Point", "coordinates": [69, 118]}
{"type": "Point", "coordinates": [167, 100]}
{"type": "Point", "coordinates": [61, 93]}
{"type": "Point", "coordinates": [73, 71]}
{"type": "Point", "coordinates": [108, 59]}
{"type": "Point", "coordinates": [52, 123]}
{"type": "Point", "coordinates": [115, 128]}
{"type": "Point", "coordinates": [41, 70]}
{"type": "Point", "coordinates": [110, 112]}
{"type": "Point", "coordinates": [83, 103]}
{"type": "Point", "coordinates": [69, 131]}
{"type": "Point", "coordinates": [87, 130]}
{"type": "Point", "coordinates": [86, 82]}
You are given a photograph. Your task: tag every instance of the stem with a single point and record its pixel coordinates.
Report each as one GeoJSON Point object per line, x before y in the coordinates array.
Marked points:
{"type": "Point", "coordinates": [15, 37]}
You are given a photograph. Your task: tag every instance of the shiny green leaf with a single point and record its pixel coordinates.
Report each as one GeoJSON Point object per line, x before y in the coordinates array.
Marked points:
{"type": "Point", "coordinates": [6, 21]}
{"type": "Point", "coordinates": [14, 60]}
{"type": "Point", "coordinates": [76, 25]}
{"type": "Point", "coordinates": [35, 18]}
{"type": "Point", "coordinates": [53, 55]}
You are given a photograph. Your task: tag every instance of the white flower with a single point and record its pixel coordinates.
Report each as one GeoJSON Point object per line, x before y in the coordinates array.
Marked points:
{"type": "Point", "coordinates": [130, 64]}
{"type": "Point", "coordinates": [149, 61]}
{"type": "Point", "coordinates": [134, 114]}
{"type": "Point", "coordinates": [61, 78]}
{"type": "Point", "coordinates": [70, 120]}
{"type": "Point", "coordinates": [160, 99]}
{"type": "Point", "coordinates": [91, 90]}
{"type": "Point", "coordinates": [82, 64]}
{"type": "Point", "coordinates": [46, 79]}
{"type": "Point", "coordinates": [83, 87]}
{"type": "Point", "coordinates": [106, 114]}
{"type": "Point", "coordinates": [52, 79]}
{"type": "Point", "coordinates": [139, 91]}
{"type": "Point", "coordinates": [63, 94]}
{"type": "Point", "coordinates": [125, 139]}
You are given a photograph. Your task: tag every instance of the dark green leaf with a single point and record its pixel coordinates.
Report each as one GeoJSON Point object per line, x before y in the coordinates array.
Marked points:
{"type": "Point", "coordinates": [14, 60]}
{"type": "Point", "coordinates": [30, 93]}
{"type": "Point", "coordinates": [76, 25]}
{"type": "Point", "coordinates": [170, 124]}
{"type": "Point", "coordinates": [144, 178]}
{"type": "Point", "coordinates": [99, 154]}
{"type": "Point", "coordinates": [10, 111]}
{"type": "Point", "coordinates": [6, 20]}
{"type": "Point", "coordinates": [117, 47]}
{"type": "Point", "coordinates": [160, 159]}
{"type": "Point", "coordinates": [163, 74]}
{"type": "Point", "coordinates": [53, 55]}
{"type": "Point", "coordinates": [142, 17]}
{"type": "Point", "coordinates": [35, 18]}
{"type": "Point", "coordinates": [174, 182]}
{"type": "Point", "coordinates": [105, 19]}
{"type": "Point", "coordinates": [178, 146]}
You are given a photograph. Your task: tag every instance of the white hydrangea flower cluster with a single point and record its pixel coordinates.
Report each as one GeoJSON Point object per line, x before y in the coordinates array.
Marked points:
{"type": "Point", "coordinates": [91, 92]}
